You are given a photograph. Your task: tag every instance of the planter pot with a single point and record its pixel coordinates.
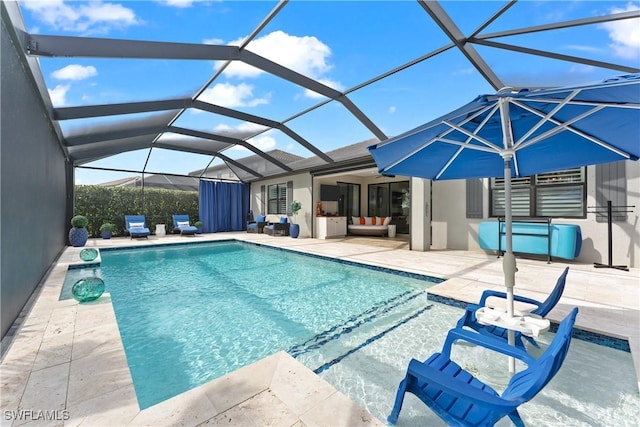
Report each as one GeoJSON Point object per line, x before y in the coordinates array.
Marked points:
{"type": "Point", "coordinates": [294, 230]}
{"type": "Point", "coordinates": [106, 234]}
{"type": "Point", "coordinates": [78, 236]}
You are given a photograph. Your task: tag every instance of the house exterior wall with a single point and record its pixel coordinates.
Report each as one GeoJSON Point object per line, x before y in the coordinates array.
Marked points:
{"type": "Point", "coordinates": [33, 221]}
{"type": "Point", "coordinates": [452, 230]}
{"type": "Point", "coordinates": [301, 193]}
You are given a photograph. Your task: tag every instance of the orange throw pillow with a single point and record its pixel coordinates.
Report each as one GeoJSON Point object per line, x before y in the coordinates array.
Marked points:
{"type": "Point", "coordinates": [373, 221]}
{"type": "Point", "coordinates": [361, 221]}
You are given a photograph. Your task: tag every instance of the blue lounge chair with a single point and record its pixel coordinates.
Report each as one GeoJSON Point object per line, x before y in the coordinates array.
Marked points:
{"type": "Point", "coordinates": [136, 226]}
{"type": "Point", "coordinates": [461, 399]}
{"type": "Point", "coordinates": [543, 308]}
{"type": "Point", "coordinates": [182, 224]}
{"type": "Point", "coordinates": [258, 225]}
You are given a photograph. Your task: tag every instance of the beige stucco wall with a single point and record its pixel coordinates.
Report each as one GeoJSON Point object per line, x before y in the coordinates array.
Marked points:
{"type": "Point", "coordinates": [301, 193]}
{"type": "Point", "coordinates": [452, 230]}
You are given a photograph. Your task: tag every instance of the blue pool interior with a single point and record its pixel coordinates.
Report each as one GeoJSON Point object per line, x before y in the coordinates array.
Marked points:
{"type": "Point", "coordinates": [357, 335]}
{"type": "Point", "coordinates": [189, 314]}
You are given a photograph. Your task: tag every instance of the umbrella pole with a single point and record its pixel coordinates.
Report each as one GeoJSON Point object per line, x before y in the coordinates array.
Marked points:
{"type": "Point", "coordinates": [509, 260]}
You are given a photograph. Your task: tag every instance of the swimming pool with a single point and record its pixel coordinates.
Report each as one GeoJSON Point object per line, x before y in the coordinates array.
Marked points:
{"type": "Point", "coordinates": [190, 313]}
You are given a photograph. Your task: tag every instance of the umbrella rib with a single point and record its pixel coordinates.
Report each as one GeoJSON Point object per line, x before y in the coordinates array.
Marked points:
{"type": "Point", "coordinates": [424, 127]}
{"type": "Point", "coordinates": [465, 145]}
{"type": "Point", "coordinates": [629, 105]}
{"type": "Point", "coordinates": [546, 118]}
{"type": "Point", "coordinates": [561, 126]}
{"type": "Point", "coordinates": [434, 139]}
{"type": "Point", "coordinates": [474, 136]}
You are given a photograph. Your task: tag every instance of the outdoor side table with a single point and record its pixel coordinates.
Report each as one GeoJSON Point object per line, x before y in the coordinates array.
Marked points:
{"type": "Point", "coordinates": [160, 230]}
{"type": "Point", "coordinates": [528, 324]}
{"type": "Point", "coordinates": [391, 231]}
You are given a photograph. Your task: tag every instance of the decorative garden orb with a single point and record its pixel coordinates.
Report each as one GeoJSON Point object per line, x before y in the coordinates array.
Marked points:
{"type": "Point", "coordinates": [88, 254]}
{"type": "Point", "coordinates": [88, 289]}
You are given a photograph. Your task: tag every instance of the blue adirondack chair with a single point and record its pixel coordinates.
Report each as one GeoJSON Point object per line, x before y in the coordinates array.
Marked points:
{"type": "Point", "coordinates": [543, 308]}
{"type": "Point", "coordinates": [460, 399]}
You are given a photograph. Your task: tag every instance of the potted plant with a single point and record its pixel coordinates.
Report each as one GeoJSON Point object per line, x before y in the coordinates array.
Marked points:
{"type": "Point", "coordinates": [294, 229]}
{"type": "Point", "coordinates": [198, 225]}
{"type": "Point", "coordinates": [106, 230]}
{"type": "Point", "coordinates": [78, 235]}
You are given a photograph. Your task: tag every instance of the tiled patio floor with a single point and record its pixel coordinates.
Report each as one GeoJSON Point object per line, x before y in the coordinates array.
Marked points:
{"type": "Point", "coordinates": [69, 358]}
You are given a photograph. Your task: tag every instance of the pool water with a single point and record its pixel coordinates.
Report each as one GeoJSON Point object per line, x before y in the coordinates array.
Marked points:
{"type": "Point", "coordinates": [596, 385]}
{"type": "Point", "coordinates": [188, 314]}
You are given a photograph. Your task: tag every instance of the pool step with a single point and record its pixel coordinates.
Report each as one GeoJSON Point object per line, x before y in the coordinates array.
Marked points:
{"type": "Point", "coordinates": [329, 347]}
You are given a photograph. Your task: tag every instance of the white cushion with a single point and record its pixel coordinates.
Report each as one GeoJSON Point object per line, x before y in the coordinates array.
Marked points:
{"type": "Point", "coordinates": [355, 220]}
{"type": "Point", "coordinates": [367, 220]}
{"type": "Point", "coordinates": [136, 225]}
{"type": "Point", "coordinates": [379, 220]}
{"type": "Point", "coordinates": [182, 223]}
{"type": "Point", "coordinates": [387, 220]}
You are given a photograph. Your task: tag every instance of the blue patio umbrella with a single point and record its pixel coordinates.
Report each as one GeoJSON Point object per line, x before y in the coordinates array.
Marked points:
{"type": "Point", "coordinates": [521, 133]}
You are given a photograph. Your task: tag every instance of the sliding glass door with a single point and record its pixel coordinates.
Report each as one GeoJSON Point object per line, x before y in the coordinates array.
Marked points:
{"type": "Point", "coordinates": [391, 199]}
{"type": "Point", "coordinates": [349, 202]}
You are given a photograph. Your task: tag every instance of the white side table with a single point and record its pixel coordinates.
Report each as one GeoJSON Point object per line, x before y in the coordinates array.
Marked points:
{"type": "Point", "coordinates": [529, 324]}
{"type": "Point", "coordinates": [160, 230]}
{"type": "Point", "coordinates": [391, 231]}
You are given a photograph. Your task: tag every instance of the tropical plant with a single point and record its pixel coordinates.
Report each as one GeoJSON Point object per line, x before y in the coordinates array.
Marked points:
{"type": "Point", "coordinates": [295, 207]}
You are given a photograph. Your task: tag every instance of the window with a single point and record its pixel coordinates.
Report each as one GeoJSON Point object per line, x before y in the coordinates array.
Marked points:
{"type": "Point", "coordinates": [277, 199]}
{"type": "Point", "coordinates": [555, 194]}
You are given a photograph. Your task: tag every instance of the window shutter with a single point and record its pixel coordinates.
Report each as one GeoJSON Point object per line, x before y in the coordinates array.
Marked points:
{"type": "Point", "coordinates": [611, 184]}
{"type": "Point", "coordinates": [289, 198]}
{"type": "Point", "coordinates": [263, 197]}
{"type": "Point", "coordinates": [474, 198]}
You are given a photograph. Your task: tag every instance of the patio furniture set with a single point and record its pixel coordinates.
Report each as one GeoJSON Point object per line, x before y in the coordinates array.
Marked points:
{"type": "Point", "coordinates": [261, 225]}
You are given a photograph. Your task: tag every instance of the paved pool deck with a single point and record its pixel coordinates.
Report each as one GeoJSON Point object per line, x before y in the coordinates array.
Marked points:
{"type": "Point", "coordinates": [68, 357]}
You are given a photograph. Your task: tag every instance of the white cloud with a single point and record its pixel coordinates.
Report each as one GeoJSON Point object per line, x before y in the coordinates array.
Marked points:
{"type": "Point", "coordinates": [327, 82]}
{"type": "Point", "coordinates": [392, 109]}
{"type": "Point", "coordinates": [581, 69]}
{"type": "Point", "coordinates": [463, 71]}
{"type": "Point", "coordinates": [583, 48]}
{"type": "Point", "coordinates": [263, 142]}
{"type": "Point", "coordinates": [245, 127]}
{"type": "Point", "coordinates": [83, 17]}
{"type": "Point", "coordinates": [624, 34]}
{"type": "Point", "coordinates": [58, 95]}
{"type": "Point", "coordinates": [231, 96]}
{"type": "Point", "coordinates": [75, 72]}
{"type": "Point", "coordinates": [306, 55]}
{"type": "Point", "coordinates": [177, 3]}
{"type": "Point", "coordinates": [213, 41]}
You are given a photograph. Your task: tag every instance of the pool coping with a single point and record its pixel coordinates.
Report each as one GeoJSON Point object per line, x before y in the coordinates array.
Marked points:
{"type": "Point", "coordinates": [68, 371]}
{"type": "Point", "coordinates": [88, 396]}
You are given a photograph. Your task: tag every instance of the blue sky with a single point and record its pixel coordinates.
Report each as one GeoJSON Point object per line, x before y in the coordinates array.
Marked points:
{"type": "Point", "coordinates": [339, 43]}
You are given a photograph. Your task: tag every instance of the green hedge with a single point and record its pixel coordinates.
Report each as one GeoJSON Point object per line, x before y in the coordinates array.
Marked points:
{"type": "Point", "coordinates": [110, 204]}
